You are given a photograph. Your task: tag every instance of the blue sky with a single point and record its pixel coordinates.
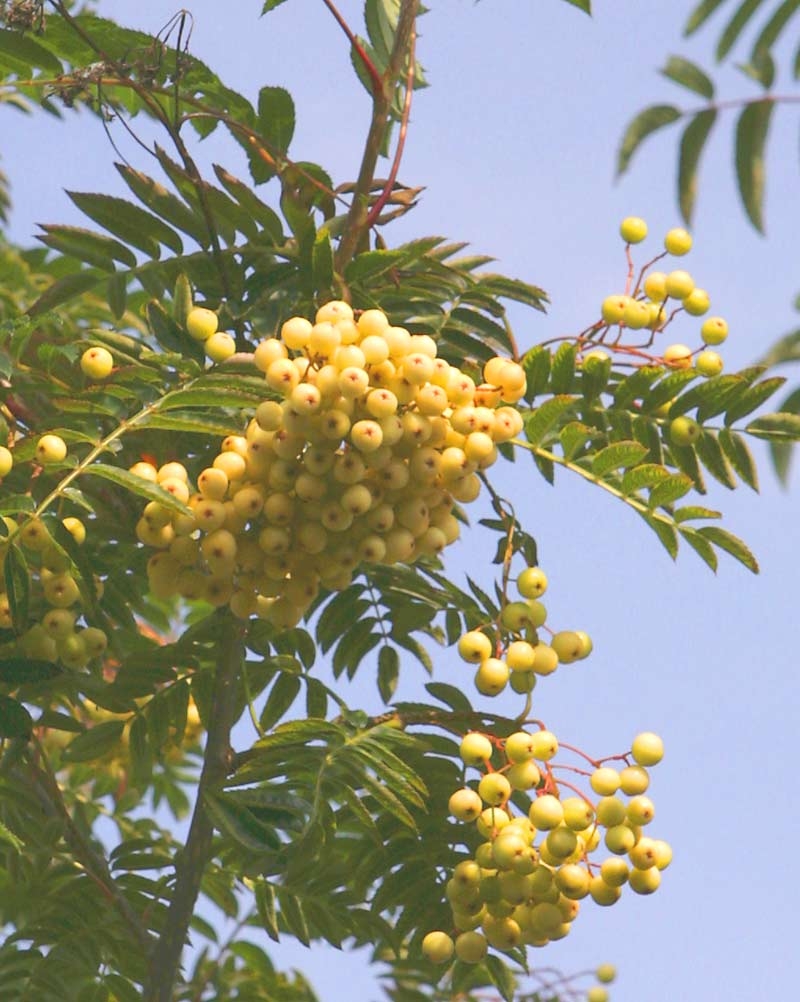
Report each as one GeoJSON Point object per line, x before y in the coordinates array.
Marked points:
{"type": "Point", "coordinates": [515, 142]}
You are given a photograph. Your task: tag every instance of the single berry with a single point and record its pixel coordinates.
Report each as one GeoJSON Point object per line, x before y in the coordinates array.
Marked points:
{"type": "Point", "coordinates": [679, 284]}
{"type": "Point", "coordinates": [684, 431]}
{"type": "Point", "coordinates": [97, 363]}
{"type": "Point", "coordinates": [697, 302]}
{"type": "Point", "coordinates": [678, 356]}
{"type": "Point", "coordinates": [51, 449]}
{"type": "Point", "coordinates": [219, 346]}
{"type": "Point", "coordinates": [714, 330]}
{"type": "Point", "coordinates": [633, 230]}
{"type": "Point", "coordinates": [678, 242]}
{"type": "Point", "coordinates": [647, 749]}
{"type": "Point", "coordinates": [708, 363]}
{"type": "Point", "coordinates": [201, 323]}
{"type": "Point", "coordinates": [6, 461]}
{"type": "Point", "coordinates": [438, 947]}
{"type": "Point", "coordinates": [613, 309]}
{"type": "Point", "coordinates": [532, 583]}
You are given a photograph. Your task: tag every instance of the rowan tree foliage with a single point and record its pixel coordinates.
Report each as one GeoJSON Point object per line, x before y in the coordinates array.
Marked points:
{"type": "Point", "coordinates": [241, 427]}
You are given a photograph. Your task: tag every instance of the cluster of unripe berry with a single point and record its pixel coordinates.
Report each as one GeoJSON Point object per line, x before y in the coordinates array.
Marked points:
{"type": "Point", "coordinates": [655, 298]}
{"type": "Point", "coordinates": [60, 633]}
{"type": "Point", "coordinates": [365, 441]}
{"type": "Point", "coordinates": [536, 834]}
{"type": "Point", "coordinates": [512, 652]}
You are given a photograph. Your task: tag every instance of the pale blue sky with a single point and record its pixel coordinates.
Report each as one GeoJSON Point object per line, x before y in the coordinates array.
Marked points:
{"type": "Point", "coordinates": [515, 141]}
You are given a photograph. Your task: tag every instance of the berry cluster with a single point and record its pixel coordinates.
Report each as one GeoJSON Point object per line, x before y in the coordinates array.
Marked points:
{"type": "Point", "coordinates": [512, 651]}
{"type": "Point", "coordinates": [532, 866]}
{"type": "Point", "coordinates": [653, 299]}
{"type": "Point", "coordinates": [364, 444]}
{"type": "Point", "coordinates": [60, 634]}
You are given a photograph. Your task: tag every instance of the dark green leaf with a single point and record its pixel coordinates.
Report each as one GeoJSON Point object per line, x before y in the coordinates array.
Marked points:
{"type": "Point", "coordinates": [451, 695]}
{"type": "Point", "coordinates": [282, 694]}
{"type": "Point", "coordinates": [137, 485]}
{"type": "Point", "coordinates": [95, 742]}
{"type": "Point", "coordinates": [18, 50]}
{"type": "Point", "coordinates": [689, 75]}
{"type": "Point", "coordinates": [322, 261]}
{"type": "Point", "coordinates": [739, 456]}
{"type": "Point", "coordinates": [276, 118]}
{"type": "Point", "coordinates": [268, 6]}
{"type": "Point", "coordinates": [499, 973]}
{"type": "Point", "coordinates": [15, 721]}
{"type": "Point", "coordinates": [18, 587]}
{"type": "Point", "coordinates": [775, 25]}
{"type": "Point", "coordinates": [752, 398]}
{"type": "Point", "coordinates": [751, 136]}
{"type": "Point", "coordinates": [17, 671]}
{"type": "Point", "coordinates": [736, 26]}
{"type": "Point", "coordinates": [388, 672]}
{"type": "Point", "coordinates": [156, 197]}
{"type": "Point", "coordinates": [655, 117]}
{"type": "Point", "coordinates": [64, 289]}
{"type": "Point", "coordinates": [265, 904]}
{"type": "Point", "coordinates": [586, 7]}
{"type": "Point", "coordinates": [238, 822]}
{"type": "Point", "coordinates": [371, 264]}
{"type": "Point", "coordinates": [92, 248]}
{"type": "Point", "coordinates": [693, 142]}
{"type": "Point", "coordinates": [128, 222]}
{"type": "Point", "coordinates": [700, 15]}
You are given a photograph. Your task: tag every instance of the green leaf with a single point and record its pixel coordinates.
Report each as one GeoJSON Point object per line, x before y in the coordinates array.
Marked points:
{"type": "Point", "coordinates": [371, 264]}
{"type": "Point", "coordinates": [650, 120]}
{"type": "Point", "coordinates": [322, 261]}
{"type": "Point", "coordinates": [776, 427]}
{"type": "Point", "coordinates": [293, 915]}
{"type": "Point", "coordinates": [7, 836]}
{"type": "Point", "coordinates": [774, 26]}
{"type": "Point", "coordinates": [536, 363]}
{"type": "Point", "coordinates": [586, 7]}
{"type": "Point", "coordinates": [739, 456]}
{"type": "Point", "coordinates": [736, 26]}
{"type": "Point", "coordinates": [137, 485]}
{"type": "Point", "coordinates": [688, 75]}
{"type": "Point", "coordinates": [276, 118]}
{"type": "Point", "coordinates": [451, 695]}
{"type": "Point", "coordinates": [646, 475]}
{"type": "Point", "coordinates": [501, 977]}
{"type": "Point", "coordinates": [23, 51]}
{"type": "Point", "coordinates": [752, 398]}
{"type": "Point", "coordinates": [574, 436]}
{"type": "Point", "coordinates": [618, 456]}
{"type": "Point", "coordinates": [701, 546]}
{"type": "Point", "coordinates": [92, 248]}
{"type": "Point", "coordinates": [65, 289]}
{"type": "Point", "coordinates": [665, 532]}
{"type": "Point", "coordinates": [388, 672]}
{"type": "Point", "coordinates": [710, 454]}
{"type": "Point", "coordinates": [15, 721]}
{"type": "Point", "coordinates": [700, 15]}
{"type": "Point", "coordinates": [761, 68]}
{"type": "Point", "coordinates": [268, 6]}
{"type": "Point", "coordinates": [17, 581]}
{"type": "Point", "coordinates": [238, 822]}
{"type": "Point", "coordinates": [282, 694]}
{"type": "Point", "coordinates": [265, 905]}
{"type": "Point", "coordinates": [17, 671]}
{"type": "Point", "coordinates": [751, 136]}
{"type": "Point", "coordinates": [562, 369]}
{"type": "Point", "coordinates": [128, 222]}
{"type": "Point", "coordinates": [95, 742]}
{"type": "Point", "coordinates": [542, 419]}
{"type": "Point", "coordinates": [694, 511]}
{"type": "Point", "coordinates": [156, 197]}
{"type": "Point", "coordinates": [676, 486]}
{"type": "Point", "coordinates": [731, 544]}
{"type": "Point", "coordinates": [692, 145]}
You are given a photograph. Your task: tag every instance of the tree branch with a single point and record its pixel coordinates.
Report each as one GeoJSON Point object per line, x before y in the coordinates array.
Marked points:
{"type": "Point", "coordinates": [356, 224]}
{"type": "Point", "coordinates": [193, 859]}
{"type": "Point", "coordinates": [50, 797]}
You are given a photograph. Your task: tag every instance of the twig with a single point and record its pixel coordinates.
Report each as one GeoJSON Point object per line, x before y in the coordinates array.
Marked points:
{"type": "Point", "coordinates": [383, 198]}
{"type": "Point", "coordinates": [356, 223]}
{"type": "Point", "coordinates": [369, 66]}
{"type": "Point", "coordinates": [192, 861]}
